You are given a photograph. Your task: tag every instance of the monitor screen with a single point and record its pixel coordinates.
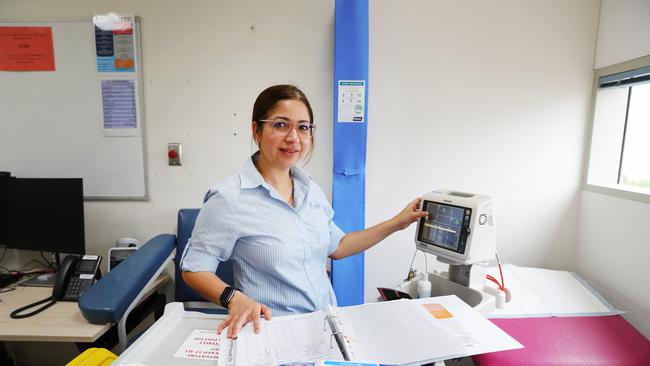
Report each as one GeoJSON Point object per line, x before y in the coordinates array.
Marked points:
{"type": "Point", "coordinates": [445, 227]}
{"type": "Point", "coordinates": [44, 214]}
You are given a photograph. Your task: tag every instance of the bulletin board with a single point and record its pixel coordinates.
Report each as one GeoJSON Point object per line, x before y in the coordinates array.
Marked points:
{"type": "Point", "coordinates": [54, 124]}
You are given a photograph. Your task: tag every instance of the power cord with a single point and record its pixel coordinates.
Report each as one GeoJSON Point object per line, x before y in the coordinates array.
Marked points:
{"type": "Point", "coordinates": [411, 272]}
{"type": "Point", "coordinates": [49, 264]}
{"type": "Point", "coordinates": [43, 267]}
{"type": "Point", "coordinates": [3, 254]}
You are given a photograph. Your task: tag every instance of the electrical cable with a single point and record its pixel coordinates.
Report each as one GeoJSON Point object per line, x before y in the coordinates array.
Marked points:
{"type": "Point", "coordinates": [49, 264]}
{"type": "Point", "coordinates": [413, 259]}
{"type": "Point", "coordinates": [3, 254]}
{"type": "Point", "coordinates": [411, 272]}
{"type": "Point", "coordinates": [22, 269]}
{"type": "Point", "coordinates": [17, 273]}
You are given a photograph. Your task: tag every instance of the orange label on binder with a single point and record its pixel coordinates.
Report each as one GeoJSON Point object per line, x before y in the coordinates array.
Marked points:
{"type": "Point", "coordinates": [438, 311]}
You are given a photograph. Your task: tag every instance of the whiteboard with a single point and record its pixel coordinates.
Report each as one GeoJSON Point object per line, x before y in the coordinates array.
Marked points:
{"type": "Point", "coordinates": [51, 122]}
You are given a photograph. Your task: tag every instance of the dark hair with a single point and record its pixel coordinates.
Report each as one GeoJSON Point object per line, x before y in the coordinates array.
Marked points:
{"type": "Point", "coordinates": [268, 99]}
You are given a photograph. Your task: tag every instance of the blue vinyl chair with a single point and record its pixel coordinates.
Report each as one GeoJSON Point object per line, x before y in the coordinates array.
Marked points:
{"type": "Point", "coordinates": [191, 299]}
{"type": "Point", "coordinates": [117, 294]}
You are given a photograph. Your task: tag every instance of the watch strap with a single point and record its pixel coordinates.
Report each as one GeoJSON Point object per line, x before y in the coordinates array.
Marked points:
{"type": "Point", "coordinates": [227, 295]}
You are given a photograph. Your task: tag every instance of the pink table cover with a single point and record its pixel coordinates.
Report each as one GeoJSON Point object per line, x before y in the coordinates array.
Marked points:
{"type": "Point", "coordinates": [569, 341]}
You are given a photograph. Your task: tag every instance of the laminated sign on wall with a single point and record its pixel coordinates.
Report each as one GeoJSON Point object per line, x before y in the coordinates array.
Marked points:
{"type": "Point", "coordinates": [114, 42]}
{"type": "Point", "coordinates": [115, 52]}
{"type": "Point", "coordinates": [352, 97]}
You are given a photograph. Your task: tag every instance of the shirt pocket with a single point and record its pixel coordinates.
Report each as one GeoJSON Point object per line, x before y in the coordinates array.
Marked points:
{"type": "Point", "coordinates": [318, 222]}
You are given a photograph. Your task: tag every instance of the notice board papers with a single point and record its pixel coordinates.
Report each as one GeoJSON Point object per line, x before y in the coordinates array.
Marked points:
{"type": "Point", "coordinates": [26, 49]}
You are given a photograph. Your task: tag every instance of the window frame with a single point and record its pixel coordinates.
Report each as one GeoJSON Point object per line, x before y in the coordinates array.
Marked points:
{"type": "Point", "coordinates": [614, 190]}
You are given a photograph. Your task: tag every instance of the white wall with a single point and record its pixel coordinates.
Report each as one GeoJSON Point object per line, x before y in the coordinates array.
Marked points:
{"type": "Point", "coordinates": [490, 97]}
{"type": "Point", "coordinates": [613, 248]}
{"type": "Point", "coordinates": [204, 64]}
{"type": "Point", "coordinates": [623, 32]}
{"type": "Point", "coordinates": [613, 252]}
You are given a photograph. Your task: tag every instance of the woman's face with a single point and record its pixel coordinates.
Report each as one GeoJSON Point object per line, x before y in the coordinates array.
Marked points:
{"type": "Point", "coordinates": [284, 150]}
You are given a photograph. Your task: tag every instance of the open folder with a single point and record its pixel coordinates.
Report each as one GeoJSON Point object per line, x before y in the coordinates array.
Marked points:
{"type": "Point", "coordinates": [395, 332]}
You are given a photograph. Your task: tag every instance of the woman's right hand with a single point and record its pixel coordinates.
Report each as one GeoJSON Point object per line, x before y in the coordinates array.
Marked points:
{"type": "Point", "coordinates": [241, 310]}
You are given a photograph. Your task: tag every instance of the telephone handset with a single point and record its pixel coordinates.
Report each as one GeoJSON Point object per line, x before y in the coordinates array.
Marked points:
{"type": "Point", "coordinates": [73, 277]}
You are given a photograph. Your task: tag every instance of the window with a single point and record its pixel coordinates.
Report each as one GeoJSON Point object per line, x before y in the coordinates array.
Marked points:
{"type": "Point", "coordinates": [635, 160]}
{"type": "Point", "coordinates": [619, 159]}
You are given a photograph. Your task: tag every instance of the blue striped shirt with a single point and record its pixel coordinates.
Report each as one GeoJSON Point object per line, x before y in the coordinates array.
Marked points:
{"type": "Point", "coordinates": [279, 252]}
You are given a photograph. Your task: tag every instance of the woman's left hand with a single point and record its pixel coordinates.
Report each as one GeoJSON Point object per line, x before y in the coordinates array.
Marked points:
{"type": "Point", "coordinates": [409, 215]}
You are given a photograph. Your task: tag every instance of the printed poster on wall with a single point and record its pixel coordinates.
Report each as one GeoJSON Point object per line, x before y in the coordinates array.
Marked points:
{"type": "Point", "coordinates": [119, 107]}
{"type": "Point", "coordinates": [26, 49]}
{"type": "Point", "coordinates": [115, 52]}
{"type": "Point", "coordinates": [352, 100]}
{"type": "Point", "coordinates": [114, 42]}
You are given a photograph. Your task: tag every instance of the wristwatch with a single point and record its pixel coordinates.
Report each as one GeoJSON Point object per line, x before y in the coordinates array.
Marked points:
{"type": "Point", "coordinates": [227, 295]}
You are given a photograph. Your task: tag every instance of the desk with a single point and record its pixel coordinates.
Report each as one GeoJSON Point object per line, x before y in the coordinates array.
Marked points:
{"type": "Point", "coordinates": [62, 322]}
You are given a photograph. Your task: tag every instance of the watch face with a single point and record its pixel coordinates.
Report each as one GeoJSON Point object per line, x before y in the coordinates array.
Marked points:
{"type": "Point", "coordinates": [226, 296]}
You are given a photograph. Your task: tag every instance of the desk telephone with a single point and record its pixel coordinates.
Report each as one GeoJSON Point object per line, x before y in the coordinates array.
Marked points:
{"type": "Point", "coordinates": [73, 277]}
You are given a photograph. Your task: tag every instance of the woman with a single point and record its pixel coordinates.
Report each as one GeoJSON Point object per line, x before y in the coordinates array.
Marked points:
{"type": "Point", "coordinates": [275, 223]}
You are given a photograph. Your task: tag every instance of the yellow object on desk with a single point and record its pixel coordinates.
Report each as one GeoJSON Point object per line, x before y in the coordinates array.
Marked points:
{"type": "Point", "coordinates": [94, 357]}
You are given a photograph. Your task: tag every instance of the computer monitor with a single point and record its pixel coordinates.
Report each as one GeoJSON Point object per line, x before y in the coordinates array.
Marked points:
{"type": "Point", "coordinates": [459, 228]}
{"type": "Point", "coordinates": [43, 214]}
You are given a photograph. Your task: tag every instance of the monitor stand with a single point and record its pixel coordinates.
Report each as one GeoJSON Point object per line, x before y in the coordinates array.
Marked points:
{"type": "Point", "coordinates": [42, 280]}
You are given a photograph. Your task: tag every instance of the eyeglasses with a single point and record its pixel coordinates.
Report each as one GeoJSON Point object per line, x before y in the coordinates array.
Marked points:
{"type": "Point", "coordinates": [283, 127]}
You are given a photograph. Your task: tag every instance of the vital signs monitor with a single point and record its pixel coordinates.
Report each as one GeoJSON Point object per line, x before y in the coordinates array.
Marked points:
{"type": "Point", "coordinates": [459, 228]}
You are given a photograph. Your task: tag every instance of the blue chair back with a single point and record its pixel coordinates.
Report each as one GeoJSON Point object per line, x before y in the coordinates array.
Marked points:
{"type": "Point", "coordinates": [186, 220]}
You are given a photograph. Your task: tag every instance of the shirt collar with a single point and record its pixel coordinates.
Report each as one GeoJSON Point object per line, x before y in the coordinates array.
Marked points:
{"type": "Point", "coordinates": [250, 177]}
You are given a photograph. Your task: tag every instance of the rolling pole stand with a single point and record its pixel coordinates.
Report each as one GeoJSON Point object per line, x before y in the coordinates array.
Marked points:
{"type": "Point", "coordinates": [469, 275]}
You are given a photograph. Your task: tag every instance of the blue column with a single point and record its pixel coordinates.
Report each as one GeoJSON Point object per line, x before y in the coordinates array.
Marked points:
{"type": "Point", "coordinates": [350, 131]}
